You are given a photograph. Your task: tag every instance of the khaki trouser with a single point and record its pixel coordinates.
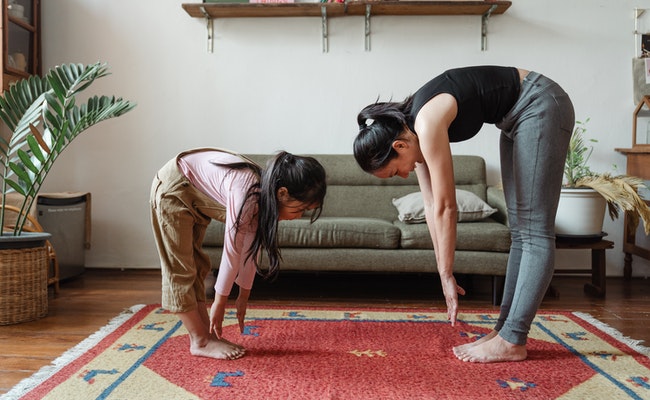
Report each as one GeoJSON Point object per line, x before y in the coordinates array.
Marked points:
{"type": "Point", "coordinates": [180, 215]}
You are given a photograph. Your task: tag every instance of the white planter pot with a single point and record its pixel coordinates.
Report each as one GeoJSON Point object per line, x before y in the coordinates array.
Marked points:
{"type": "Point", "coordinates": [580, 213]}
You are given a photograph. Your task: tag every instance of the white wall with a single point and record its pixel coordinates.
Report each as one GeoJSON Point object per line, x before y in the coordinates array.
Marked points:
{"type": "Point", "coordinates": [267, 86]}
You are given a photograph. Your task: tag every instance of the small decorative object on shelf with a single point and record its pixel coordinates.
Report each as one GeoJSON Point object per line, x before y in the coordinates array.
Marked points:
{"type": "Point", "coordinates": [16, 10]}
{"type": "Point", "coordinates": [226, 1]}
{"type": "Point", "coordinates": [645, 45]}
{"type": "Point", "coordinates": [641, 60]}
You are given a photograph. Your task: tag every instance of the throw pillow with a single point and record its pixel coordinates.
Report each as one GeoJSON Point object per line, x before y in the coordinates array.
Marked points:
{"type": "Point", "coordinates": [410, 208]}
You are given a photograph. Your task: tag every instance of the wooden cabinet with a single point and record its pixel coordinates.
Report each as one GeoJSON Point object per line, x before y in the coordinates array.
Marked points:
{"type": "Point", "coordinates": [21, 40]}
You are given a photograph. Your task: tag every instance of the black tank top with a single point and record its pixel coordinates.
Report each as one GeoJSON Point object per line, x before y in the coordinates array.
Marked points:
{"type": "Point", "coordinates": [484, 94]}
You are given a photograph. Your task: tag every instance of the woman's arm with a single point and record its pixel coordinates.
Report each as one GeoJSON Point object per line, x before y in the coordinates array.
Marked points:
{"type": "Point", "coordinates": [436, 179]}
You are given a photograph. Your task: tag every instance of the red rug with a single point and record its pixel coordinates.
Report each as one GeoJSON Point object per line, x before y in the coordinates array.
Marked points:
{"type": "Point", "coordinates": [318, 353]}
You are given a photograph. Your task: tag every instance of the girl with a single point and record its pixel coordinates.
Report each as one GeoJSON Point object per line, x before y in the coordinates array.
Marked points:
{"type": "Point", "coordinates": [203, 184]}
{"type": "Point", "coordinates": [536, 120]}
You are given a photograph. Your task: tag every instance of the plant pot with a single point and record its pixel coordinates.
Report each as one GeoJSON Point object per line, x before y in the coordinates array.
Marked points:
{"type": "Point", "coordinates": [24, 263]}
{"type": "Point", "coordinates": [580, 213]}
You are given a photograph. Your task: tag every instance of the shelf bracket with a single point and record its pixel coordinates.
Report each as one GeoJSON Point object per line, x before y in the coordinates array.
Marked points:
{"type": "Point", "coordinates": [210, 28]}
{"type": "Point", "coordinates": [484, 25]}
{"type": "Point", "coordinates": [325, 39]}
{"type": "Point", "coordinates": [367, 33]}
{"type": "Point", "coordinates": [638, 12]}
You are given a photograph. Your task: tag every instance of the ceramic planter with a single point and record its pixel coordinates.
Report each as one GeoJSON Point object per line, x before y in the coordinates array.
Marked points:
{"type": "Point", "coordinates": [580, 213]}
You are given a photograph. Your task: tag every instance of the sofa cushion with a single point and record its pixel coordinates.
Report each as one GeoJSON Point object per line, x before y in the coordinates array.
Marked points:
{"type": "Point", "coordinates": [486, 235]}
{"type": "Point", "coordinates": [326, 232]}
{"type": "Point", "coordinates": [339, 232]}
{"type": "Point", "coordinates": [410, 208]}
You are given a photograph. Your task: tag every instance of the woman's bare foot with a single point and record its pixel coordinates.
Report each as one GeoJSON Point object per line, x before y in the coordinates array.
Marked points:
{"type": "Point", "coordinates": [462, 349]}
{"type": "Point", "coordinates": [219, 349]}
{"type": "Point", "coordinates": [493, 350]}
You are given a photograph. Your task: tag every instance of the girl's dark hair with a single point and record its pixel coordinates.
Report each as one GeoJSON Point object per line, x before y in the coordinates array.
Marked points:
{"type": "Point", "coordinates": [305, 180]}
{"type": "Point", "coordinates": [380, 124]}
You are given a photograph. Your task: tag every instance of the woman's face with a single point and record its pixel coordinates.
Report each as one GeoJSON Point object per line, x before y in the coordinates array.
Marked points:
{"type": "Point", "coordinates": [408, 154]}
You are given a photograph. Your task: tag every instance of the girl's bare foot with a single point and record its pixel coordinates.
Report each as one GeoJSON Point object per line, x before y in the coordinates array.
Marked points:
{"type": "Point", "coordinates": [239, 346]}
{"type": "Point", "coordinates": [462, 349]}
{"type": "Point", "coordinates": [219, 349]}
{"type": "Point", "coordinates": [493, 350]}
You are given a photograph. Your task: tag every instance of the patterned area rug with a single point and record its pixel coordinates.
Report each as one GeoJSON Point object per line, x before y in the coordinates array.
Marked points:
{"type": "Point", "coordinates": [318, 353]}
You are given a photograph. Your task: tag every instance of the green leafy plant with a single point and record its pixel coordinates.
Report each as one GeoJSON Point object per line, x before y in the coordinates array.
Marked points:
{"type": "Point", "coordinates": [43, 117]}
{"type": "Point", "coordinates": [620, 191]}
{"type": "Point", "coordinates": [576, 166]}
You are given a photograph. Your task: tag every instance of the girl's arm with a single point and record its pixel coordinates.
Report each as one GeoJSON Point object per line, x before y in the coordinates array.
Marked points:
{"type": "Point", "coordinates": [235, 266]}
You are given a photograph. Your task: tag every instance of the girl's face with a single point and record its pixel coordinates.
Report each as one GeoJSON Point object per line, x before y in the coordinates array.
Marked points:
{"type": "Point", "coordinates": [290, 208]}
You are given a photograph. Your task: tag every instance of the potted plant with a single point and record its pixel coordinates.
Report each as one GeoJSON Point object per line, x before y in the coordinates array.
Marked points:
{"type": "Point", "coordinates": [41, 117]}
{"type": "Point", "coordinates": [586, 194]}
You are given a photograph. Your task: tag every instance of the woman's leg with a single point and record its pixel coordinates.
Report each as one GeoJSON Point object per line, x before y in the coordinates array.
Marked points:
{"type": "Point", "coordinates": [540, 138]}
{"type": "Point", "coordinates": [512, 269]}
{"type": "Point", "coordinates": [516, 247]}
{"type": "Point", "coordinates": [539, 149]}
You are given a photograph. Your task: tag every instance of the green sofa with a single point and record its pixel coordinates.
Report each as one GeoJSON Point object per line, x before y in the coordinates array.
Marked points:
{"type": "Point", "coordinates": [359, 229]}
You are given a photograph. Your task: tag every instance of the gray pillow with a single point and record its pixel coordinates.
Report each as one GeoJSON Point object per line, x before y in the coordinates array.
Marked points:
{"type": "Point", "coordinates": [410, 208]}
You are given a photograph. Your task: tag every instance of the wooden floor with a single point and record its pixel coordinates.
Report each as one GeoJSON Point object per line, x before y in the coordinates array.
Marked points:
{"type": "Point", "coordinates": [88, 302]}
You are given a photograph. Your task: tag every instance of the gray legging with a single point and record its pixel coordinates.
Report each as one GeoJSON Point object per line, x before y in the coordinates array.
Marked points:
{"type": "Point", "coordinates": [534, 139]}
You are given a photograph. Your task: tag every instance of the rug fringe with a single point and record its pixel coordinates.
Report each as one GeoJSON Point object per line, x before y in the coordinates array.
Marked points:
{"type": "Point", "coordinates": [632, 343]}
{"type": "Point", "coordinates": [70, 355]}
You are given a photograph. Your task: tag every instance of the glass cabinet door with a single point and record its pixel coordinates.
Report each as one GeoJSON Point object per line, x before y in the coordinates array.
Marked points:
{"type": "Point", "coordinates": [21, 44]}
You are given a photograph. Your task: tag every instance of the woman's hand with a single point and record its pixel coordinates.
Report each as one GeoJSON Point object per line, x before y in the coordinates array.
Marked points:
{"type": "Point", "coordinates": [451, 291]}
{"type": "Point", "coordinates": [217, 312]}
{"type": "Point", "coordinates": [241, 304]}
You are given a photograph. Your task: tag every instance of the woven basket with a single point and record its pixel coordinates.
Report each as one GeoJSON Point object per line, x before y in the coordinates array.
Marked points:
{"type": "Point", "coordinates": [23, 284]}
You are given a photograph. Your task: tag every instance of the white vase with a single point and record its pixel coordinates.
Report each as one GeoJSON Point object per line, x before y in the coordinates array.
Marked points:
{"type": "Point", "coordinates": [580, 212]}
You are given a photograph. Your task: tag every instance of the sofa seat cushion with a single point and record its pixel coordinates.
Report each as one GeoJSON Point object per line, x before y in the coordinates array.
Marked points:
{"type": "Point", "coordinates": [486, 235]}
{"type": "Point", "coordinates": [339, 232]}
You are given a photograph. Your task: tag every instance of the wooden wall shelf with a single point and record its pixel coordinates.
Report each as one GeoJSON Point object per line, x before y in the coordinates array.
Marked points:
{"type": "Point", "coordinates": [210, 11]}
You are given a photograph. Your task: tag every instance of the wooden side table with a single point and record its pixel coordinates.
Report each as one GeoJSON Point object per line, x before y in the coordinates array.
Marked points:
{"type": "Point", "coordinates": [638, 164]}
{"type": "Point", "coordinates": [598, 264]}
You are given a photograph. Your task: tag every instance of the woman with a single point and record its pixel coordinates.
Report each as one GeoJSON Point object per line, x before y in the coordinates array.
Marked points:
{"type": "Point", "coordinates": [536, 120]}
{"type": "Point", "coordinates": [199, 185]}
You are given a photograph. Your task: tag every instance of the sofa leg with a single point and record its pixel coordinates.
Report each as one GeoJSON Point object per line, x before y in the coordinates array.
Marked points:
{"type": "Point", "coordinates": [497, 289]}
{"type": "Point", "coordinates": [209, 282]}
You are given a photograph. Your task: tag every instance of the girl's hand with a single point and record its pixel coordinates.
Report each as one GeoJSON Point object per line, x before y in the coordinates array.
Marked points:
{"type": "Point", "coordinates": [217, 312]}
{"type": "Point", "coordinates": [451, 291]}
{"type": "Point", "coordinates": [241, 304]}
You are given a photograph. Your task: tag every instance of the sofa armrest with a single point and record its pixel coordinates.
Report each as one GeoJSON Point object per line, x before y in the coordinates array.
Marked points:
{"type": "Point", "coordinates": [497, 199]}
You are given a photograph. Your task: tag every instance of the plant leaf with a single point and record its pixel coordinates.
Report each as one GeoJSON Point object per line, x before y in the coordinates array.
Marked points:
{"type": "Point", "coordinates": [43, 117]}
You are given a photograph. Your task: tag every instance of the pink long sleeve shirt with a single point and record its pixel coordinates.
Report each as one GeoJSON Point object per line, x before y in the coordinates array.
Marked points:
{"type": "Point", "coordinates": [227, 187]}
